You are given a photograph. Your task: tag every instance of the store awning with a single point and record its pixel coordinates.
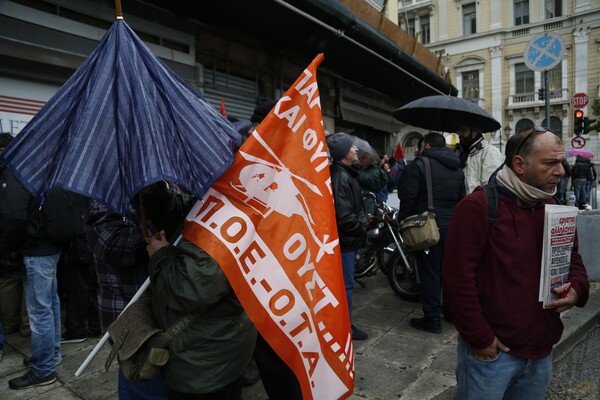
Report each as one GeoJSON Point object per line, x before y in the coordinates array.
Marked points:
{"type": "Point", "coordinates": [299, 29]}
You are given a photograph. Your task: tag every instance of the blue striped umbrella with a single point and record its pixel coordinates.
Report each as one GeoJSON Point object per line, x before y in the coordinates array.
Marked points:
{"type": "Point", "coordinates": [124, 120]}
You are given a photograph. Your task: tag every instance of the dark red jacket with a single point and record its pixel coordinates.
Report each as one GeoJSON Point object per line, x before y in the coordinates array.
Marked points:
{"type": "Point", "coordinates": [491, 279]}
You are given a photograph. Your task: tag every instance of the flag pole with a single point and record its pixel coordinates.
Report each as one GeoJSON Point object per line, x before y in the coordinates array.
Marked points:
{"type": "Point", "coordinates": [118, 9]}
{"type": "Point", "coordinates": [104, 339]}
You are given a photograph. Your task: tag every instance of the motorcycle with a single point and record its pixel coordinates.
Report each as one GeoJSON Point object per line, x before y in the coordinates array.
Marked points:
{"type": "Point", "coordinates": [402, 267]}
{"type": "Point", "coordinates": [382, 232]}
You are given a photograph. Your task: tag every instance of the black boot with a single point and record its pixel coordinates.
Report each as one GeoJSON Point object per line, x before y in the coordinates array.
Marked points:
{"type": "Point", "coordinates": [428, 324]}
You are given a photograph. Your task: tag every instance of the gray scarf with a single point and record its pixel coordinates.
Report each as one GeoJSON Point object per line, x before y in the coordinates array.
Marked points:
{"type": "Point", "coordinates": [528, 194]}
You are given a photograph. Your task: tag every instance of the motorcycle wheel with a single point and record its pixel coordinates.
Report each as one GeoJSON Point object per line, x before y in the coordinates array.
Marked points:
{"type": "Point", "coordinates": [365, 263]}
{"type": "Point", "coordinates": [402, 281]}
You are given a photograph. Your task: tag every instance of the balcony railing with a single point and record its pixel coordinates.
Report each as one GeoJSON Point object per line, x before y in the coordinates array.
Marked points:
{"type": "Point", "coordinates": [551, 26]}
{"type": "Point", "coordinates": [532, 98]}
{"type": "Point", "coordinates": [520, 32]}
{"type": "Point", "coordinates": [413, 3]}
{"type": "Point", "coordinates": [522, 98]}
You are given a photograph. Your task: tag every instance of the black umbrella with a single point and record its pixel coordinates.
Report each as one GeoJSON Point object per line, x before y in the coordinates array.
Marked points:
{"type": "Point", "coordinates": [446, 114]}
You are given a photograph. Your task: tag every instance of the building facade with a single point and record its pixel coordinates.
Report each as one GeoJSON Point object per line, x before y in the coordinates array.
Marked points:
{"type": "Point", "coordinates": [482, 44]}
{"type": "Point", "coordinates": [236, 51]}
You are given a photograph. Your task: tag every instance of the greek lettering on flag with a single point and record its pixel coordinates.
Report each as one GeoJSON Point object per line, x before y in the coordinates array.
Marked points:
{"type": "Point", "coordinates": [269, 221]}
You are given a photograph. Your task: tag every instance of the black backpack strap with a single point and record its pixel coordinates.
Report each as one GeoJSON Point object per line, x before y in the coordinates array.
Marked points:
{"type": "Point", "coordinates": [491, 194]}
{"type": "Point", "coordinates": [428, 183]}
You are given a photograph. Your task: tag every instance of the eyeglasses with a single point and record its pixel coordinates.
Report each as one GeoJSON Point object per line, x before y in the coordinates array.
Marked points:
{"type": "Point", "coordinates": [536, 129]}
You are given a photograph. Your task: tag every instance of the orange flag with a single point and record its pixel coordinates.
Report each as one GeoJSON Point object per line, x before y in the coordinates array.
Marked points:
{"type": "Point", "coordinates": [269, 221]}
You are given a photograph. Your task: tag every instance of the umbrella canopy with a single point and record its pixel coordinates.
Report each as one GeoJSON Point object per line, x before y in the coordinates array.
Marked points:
{"type": "Point", "coordinates": [361, 144]}
{"type": "Point", "coordinates": [365, 147]}
{"type": "Point", "coordinates": [580, 152]}
{"type": "Point", "coordinates": [446, 114]}
{"type": "Point", "coordinates": [121, 122]}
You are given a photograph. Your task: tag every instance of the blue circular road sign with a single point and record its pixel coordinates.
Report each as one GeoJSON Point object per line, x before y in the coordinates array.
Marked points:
{"type": "Point", "coordinates": [544, 51]}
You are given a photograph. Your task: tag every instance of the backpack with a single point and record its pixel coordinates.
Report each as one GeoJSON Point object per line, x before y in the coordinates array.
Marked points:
{"type": "Point", "coordinates": [491, 194]}
{"type": "Point", "coordinates": [140, 346]}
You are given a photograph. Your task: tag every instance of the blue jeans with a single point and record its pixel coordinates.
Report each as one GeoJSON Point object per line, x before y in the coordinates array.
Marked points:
{"type": "Point", "coordinates": [43, 309]}
{"type": "Point", "coordinates": [1, 335]}
{"type": "Point", "coordinates": [348, 262]}
{"type": "Point", "coordinates": [152, 389]}
{"type": "Point", "coordinates": [561, 189]}
{"type": "Point", "coordinates": [507, 377]}
{"type": "Point", "coordinates": [588, 191]}
{"type": "Point", "coordinates": [579, 187]}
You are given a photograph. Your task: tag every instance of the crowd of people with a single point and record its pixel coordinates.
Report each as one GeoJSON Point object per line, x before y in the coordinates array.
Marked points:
{"type": "Point", "coordinates": [582, 176]}
{"type": "Point", "coordinates": [505, 343]}
{"type": "Point", "coordinates": [83, 254]}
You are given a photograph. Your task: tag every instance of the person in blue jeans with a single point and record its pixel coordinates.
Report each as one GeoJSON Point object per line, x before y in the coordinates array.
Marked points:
{"type": "Point", "coordinates": [491, 275]}
{"type": "Point", "coordinates": [579, 176]}
{"type": "Point", "coordinates": [350, 213]}
{"type": "Point", "coordinates": [40, 256]}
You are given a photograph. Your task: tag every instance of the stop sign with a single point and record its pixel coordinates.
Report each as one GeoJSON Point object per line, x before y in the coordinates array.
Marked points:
{"type": "Point", "coordinates": [579, 100]}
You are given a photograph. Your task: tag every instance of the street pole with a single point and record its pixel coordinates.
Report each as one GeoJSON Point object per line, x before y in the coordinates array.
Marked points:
{"type": "Point", "coordinates": [547, 98]}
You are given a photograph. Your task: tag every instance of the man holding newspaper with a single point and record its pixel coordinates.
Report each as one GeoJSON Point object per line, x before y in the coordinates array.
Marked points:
{"type": "Point", "coordinates": [491, 276]}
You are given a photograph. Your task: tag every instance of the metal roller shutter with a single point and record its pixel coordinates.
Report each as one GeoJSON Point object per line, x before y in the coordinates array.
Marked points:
{"type": "Point", "coordinates": [239, 94]}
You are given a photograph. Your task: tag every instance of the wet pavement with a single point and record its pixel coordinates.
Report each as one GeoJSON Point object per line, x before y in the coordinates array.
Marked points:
{"type": "Point", "coordinates": [395, 362]}
{"type": "Point", "coordinates": [576, 373]}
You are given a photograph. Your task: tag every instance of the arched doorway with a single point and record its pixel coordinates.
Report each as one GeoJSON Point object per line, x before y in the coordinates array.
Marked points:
{"type": "Point", "coordinates": [555, 125]}
{"type": "Point", "coordinates": [523, 124]}
{"type": "Point", "coordinates": [410, 143]}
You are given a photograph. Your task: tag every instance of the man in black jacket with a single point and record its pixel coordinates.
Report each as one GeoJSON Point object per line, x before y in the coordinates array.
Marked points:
{"type": "Point", "coordinates": [40, 256]}
{"type": "Point", "coordinates": [579, 174]}
{"type": "Point", "coordinates": [350, 213]}
{"type": "Point", "coordinates": [448, 186]}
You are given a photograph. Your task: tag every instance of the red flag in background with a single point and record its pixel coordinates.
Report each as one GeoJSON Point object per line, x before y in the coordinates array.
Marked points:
{"type": "Point", "coordinates": [399, 153]}
{"type": "Point", "coordinates": [269, 221]}
{"type": "Point", "coordinates": [222, 109]}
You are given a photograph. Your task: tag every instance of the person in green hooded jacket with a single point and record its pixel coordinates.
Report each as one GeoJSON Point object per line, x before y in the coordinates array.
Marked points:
{"type": "Point", "coordinates": [207, 359]}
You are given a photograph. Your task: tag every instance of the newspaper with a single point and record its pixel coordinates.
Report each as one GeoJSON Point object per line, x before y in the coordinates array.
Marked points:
{"type": "Point", "coordinates": [560, 225]}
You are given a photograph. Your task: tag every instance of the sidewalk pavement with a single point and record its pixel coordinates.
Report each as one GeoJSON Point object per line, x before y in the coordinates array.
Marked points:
{"type": "Point", "coordinates": [395, 362]}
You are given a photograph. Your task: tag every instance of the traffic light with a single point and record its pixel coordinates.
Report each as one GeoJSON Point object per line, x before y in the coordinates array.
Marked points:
{"type": "Point", "coordinates": [587, 125]}
{"type": "Point", "coordinates": [579, 123]}
{"type": "Point", "coordinates": [542, 94]}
